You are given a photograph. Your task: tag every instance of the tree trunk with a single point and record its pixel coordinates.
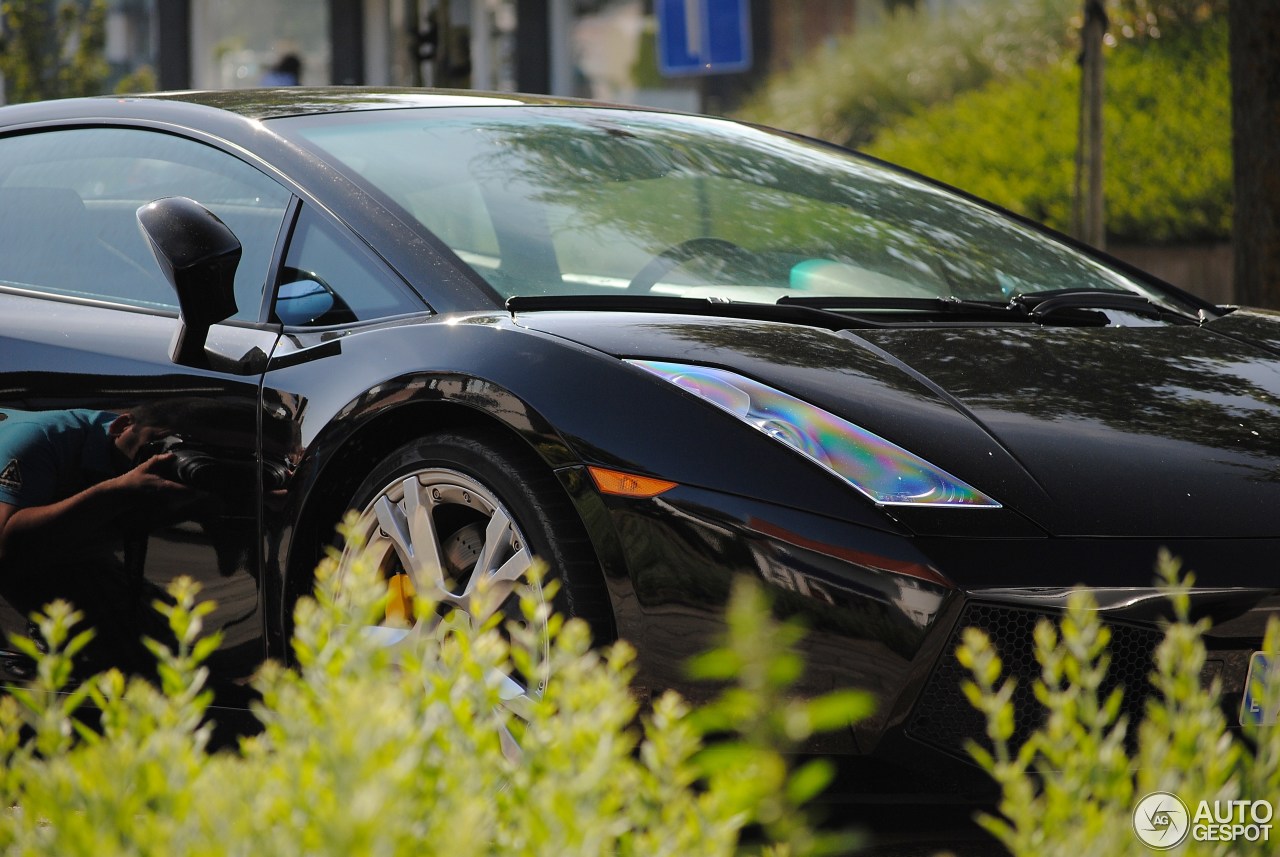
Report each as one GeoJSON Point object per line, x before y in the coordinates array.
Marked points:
{"type": "Point", "coordinates": [1255, 126]}
{"type": "Point", "coordinates": [1089, 206]}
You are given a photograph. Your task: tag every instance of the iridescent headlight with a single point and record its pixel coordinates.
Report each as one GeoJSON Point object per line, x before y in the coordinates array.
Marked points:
{"type": "Point", "coordinates": [885, 472]}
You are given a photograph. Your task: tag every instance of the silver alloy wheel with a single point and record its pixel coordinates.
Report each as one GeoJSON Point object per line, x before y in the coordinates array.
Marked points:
{"type": "Point", "coordinates": [449, 533]}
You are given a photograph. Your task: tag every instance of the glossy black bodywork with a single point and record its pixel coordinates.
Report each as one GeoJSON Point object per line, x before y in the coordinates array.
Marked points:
{"type": "Point", "coordinates": [1102, 443]}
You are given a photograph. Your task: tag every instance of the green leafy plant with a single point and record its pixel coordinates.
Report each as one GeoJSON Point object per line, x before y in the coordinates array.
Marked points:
{"type": "Point", "coordinates": [1167, 125]}
{"type": "Point", "coordinates": [877, 75]}
{"type": "Point", "coordinates": [1073, 786]}
{"type": "Point", "coordinates": [414, 748]}
{"type": "Point", "coordinates": [1152, 19]}
{"type": "Point", "coordinates": [985, 96]}
{"type": "Point", "coordinates": [53, 50]}
{"type": "Point", "coordinates": [141, 79]}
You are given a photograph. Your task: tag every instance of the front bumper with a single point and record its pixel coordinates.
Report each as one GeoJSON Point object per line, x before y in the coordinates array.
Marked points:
{"type": "Point", "coordinates": [885, 610]}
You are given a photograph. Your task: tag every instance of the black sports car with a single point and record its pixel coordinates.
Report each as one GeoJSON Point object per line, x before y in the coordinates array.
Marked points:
{"type": "Point", "coordinates": [657, 350]}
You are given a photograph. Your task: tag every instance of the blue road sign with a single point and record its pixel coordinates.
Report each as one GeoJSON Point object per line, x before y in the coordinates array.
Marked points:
{"type": "Point", "coordinates": [703, 37]}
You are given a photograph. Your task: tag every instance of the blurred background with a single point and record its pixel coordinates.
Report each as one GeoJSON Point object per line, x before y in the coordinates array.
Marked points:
{"type": "Point", "coordinates": [1006, 99]}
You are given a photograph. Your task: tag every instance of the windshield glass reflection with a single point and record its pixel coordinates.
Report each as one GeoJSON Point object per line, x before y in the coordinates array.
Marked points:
{"type": "Point", "coordinates": [586, 201]}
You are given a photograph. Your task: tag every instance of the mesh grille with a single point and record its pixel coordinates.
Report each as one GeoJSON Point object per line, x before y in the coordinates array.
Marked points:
{"type": "Point", "coordinates": [943, 716]}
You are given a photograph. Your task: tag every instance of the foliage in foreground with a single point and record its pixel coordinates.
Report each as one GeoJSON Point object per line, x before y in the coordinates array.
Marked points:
{"type": "Point", "coordinates": [1072, 788]}
{"type": "Point", "coordinates": [376, 750]}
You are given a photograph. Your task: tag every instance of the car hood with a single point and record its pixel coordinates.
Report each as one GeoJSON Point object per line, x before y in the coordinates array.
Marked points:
{"type": "Point", "coordinates": [1144, 431]}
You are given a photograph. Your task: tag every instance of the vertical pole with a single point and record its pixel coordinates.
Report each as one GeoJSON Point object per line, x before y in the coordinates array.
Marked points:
{"type": "Point", "coordinates": [1089, 211]}
{"type": "Point", "coordinates": [560, 20]}
{"type": "Point", "coordinates": [413, 32]}
{"type": "Point", "coordinates": [443, 63]}
{"type": "Point", "coordinates": [346, 37]}
{"type": "Point", "coordinates": [1255, 122]}
{"type": "Point", "coordinates": [533, 46]}
{"type": "Point", "coordinates": [482, 76]}
{"type": "Point", "coordinates": [174, 44]}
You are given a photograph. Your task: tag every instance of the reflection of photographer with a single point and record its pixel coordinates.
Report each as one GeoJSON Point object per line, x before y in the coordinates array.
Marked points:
{"type": "Point", "coordinates": [68, 481]}
{"type": "Point", "coordinates": [228, 473]}
{"type": "Point", "coordinates": [82, 492]}
{"type": "Point", "coordinates": [74, 480]}
{"type": "Point", "coordinates": [74, 513]}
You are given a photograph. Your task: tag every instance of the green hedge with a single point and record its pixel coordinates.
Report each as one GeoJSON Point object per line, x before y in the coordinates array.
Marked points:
{"type": "Point", "coordinates": [872, 78]}
{"type": "Point", "coordinates": [368, 753]}
{"type": "Point", "coordinates": [1167, 127]}
{"type": "Point", "coordinates": [371, 752]}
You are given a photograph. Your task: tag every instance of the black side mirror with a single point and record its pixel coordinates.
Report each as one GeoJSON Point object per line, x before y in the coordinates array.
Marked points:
{"type": "Point", "coordinates": [198, 255]}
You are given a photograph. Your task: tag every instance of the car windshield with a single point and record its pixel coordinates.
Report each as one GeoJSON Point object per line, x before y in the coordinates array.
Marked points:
{"type": "Point", "coordinates": [555, 200]}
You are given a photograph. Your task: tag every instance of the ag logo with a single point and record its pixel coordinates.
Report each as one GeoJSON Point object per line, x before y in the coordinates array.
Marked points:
{"type": "Point", "coordinates": [11, 476]}
{"type": "Point", "coordinates": [1161, 821]}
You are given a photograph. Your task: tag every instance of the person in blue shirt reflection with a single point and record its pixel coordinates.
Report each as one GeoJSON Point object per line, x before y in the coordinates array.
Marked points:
{"type": "Point", "coordinates": [79, 492]}
{"type": "Point", "coordinates": [68, 477]}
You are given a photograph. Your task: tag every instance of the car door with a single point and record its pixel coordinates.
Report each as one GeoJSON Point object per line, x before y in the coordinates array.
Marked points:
{"type": "Point", "coordinates": [130, 468]}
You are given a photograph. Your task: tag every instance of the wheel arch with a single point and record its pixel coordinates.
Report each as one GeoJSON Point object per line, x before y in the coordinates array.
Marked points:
{"type": "Point", "coordinates": [363, 433]}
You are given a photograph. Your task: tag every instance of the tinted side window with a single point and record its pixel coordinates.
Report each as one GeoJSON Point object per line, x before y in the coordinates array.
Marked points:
{"type": "Point", "coordinates": [68, 201]}
{"type": "Point", "coordinates": [328, 279]}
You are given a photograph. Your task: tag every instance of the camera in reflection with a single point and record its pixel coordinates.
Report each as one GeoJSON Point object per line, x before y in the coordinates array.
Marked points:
{"type": "Point", "coordinates": [216, 470]}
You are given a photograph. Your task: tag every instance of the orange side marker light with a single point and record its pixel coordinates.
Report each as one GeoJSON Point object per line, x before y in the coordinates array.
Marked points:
{"type": "Point", "coordinates": [628, 484]}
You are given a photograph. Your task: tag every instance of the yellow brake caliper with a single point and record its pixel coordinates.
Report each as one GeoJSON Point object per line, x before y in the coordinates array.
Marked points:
{"type": "Point", "coordinates": [400, 601]}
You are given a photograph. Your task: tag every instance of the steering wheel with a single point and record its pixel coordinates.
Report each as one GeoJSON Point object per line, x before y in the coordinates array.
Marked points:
{"type": "Point", "coordinates": [677, 254]}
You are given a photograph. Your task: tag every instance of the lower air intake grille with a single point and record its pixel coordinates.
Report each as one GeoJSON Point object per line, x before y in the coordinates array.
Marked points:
{"type": "Point", "coordinates": [943, 716]}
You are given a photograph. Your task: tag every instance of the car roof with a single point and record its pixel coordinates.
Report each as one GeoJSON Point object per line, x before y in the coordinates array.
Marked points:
{"type": "Point", "coordinates": [303, 101]}
{"type": "Point", "coordinates": [235, 115]}
{"type": "Point", "coordinates": [223, 111]}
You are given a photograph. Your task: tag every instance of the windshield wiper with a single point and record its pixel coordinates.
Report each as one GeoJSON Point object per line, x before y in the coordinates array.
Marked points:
{"type": "Point", "coordinates": [1040, 306]}
{"type": "Point", "coordinates": [930, 306]}
{"type": "Point", "coordinates": [810, 316]}
{"type": "Point", "coordinates": [1082, 307]}
{"type": "Point", "coordinates": [1071, 307]}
